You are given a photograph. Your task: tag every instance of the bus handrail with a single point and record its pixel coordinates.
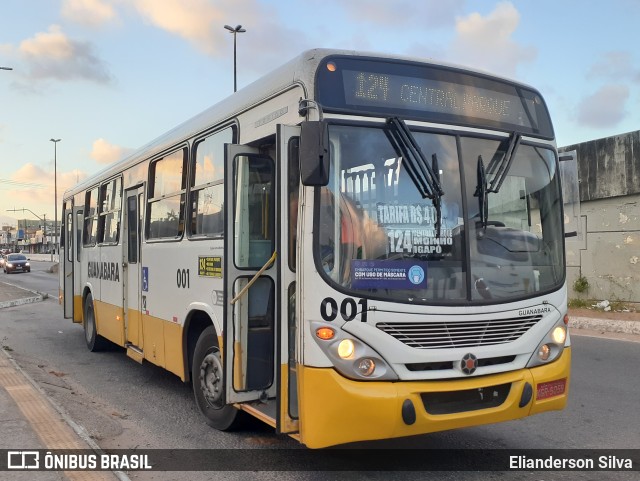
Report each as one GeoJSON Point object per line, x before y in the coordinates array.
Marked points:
{"type": "Point", "coordinates": [271, 260]}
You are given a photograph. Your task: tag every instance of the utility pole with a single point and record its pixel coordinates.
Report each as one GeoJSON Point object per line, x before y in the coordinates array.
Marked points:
{"type": "Point", "coordinates": [55, 195]}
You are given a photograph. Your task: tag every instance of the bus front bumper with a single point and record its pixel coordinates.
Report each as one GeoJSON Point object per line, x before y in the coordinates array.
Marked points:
{"type": "Point", "coordinates": [336, 410]}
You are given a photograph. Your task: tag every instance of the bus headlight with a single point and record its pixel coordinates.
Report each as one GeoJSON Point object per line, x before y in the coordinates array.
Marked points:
{"type": "Point", "coordinates": [544, 352]}
{"type": "Point", "coordinates": [366, 366]}
{"type": "Point", "coordinates": [551, 346]}
{"type": "Point", "coordinates": [351, 357]}
{"type": "Point", "coordinates": [559, 334]}
{"type": "Point", "coordinates": [346, 348]}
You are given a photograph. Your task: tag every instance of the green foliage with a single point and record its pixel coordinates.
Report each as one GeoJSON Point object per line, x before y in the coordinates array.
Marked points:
{"type": "Point", "coordinates": [579, 303]}
{"type": "Point", "coordinates": [581, 285]}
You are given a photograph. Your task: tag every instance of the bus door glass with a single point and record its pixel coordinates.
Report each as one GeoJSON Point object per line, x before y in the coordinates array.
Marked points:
{"type": "Point", "coordinates": [134, 283]}
{"type": "Point", "coordinates": [77, 278]}
{"type": "Point", "coordinates": [67, 248]}
{"type": "Point", "coordinates": [250, 273]}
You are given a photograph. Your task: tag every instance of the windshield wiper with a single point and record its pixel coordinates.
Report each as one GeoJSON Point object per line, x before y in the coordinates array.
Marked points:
{"type": "Point", "coordinates": [425, 177]}
{"type": "Point", "coordinates": [482, 193]}
{"type": "Point", "coordinates": [498, 169]}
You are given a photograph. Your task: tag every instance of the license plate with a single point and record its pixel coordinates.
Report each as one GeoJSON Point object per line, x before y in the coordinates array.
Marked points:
{"type": "Point", "coordinates": [550, 389]}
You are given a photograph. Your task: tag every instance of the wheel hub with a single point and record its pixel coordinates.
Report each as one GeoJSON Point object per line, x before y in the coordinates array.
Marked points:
{"type": "Point", "coordinates": [211, 380]}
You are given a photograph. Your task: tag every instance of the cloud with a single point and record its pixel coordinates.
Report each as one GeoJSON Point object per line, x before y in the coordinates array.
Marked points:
{"type": "Point", "coordinates": [92, 13]}
{"type": "Point", "coordinates": [486, 42]}
{"type": "Point", "coordinates": [53, 55]}
{"type": "Point", "coordinates": [200, 22]}
{"type": "Point", "coordinates": [425, 13]}
{"type": "Point", "coordinates": [40, 199]}
{"type": "Point", "coordinates": [105, 153]}
{"type": "Point", "coordinates": [615, 65]}
{"type": "Point", "coordinates": [604, 108]}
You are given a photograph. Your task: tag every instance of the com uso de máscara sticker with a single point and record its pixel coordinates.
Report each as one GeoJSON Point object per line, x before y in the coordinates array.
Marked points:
{"type": "Point", "coordinates": [384, 274]}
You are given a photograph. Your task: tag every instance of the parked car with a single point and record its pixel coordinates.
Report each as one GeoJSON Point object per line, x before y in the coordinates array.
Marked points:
{"type": "Point", "coordinates": [16, 262]}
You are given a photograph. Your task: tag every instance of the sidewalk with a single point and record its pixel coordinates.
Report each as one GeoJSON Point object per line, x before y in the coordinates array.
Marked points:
{"type": "Point", "coordinates": [30, 420]}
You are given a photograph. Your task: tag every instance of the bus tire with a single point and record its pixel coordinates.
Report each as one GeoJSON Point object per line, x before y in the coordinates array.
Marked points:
{"type": "Point", "coordinates": [95, 342]}
{"type": "Point", "coordinates": [207, 378]}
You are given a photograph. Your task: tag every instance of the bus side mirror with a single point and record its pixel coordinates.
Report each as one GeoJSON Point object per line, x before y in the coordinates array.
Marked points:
{"type": "Point", "coordinates": [314, 153]}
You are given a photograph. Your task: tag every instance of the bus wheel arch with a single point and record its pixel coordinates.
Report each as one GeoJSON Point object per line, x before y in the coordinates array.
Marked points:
{"type": "Point", "coordinates": [196, 322]}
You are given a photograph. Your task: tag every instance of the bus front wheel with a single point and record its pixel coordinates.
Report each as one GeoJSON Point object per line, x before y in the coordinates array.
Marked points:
{"type": "Point", "coordinates": [207, 377]}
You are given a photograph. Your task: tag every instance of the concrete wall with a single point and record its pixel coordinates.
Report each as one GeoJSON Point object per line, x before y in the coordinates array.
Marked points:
{"type": "Point", "coordinates": [608, 253]}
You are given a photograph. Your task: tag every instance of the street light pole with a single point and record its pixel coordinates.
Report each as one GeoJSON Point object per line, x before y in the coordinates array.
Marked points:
{"type": "Point", "coordinates": [235, 31]}
{"type": "Point", "coordinates": [55, 194]}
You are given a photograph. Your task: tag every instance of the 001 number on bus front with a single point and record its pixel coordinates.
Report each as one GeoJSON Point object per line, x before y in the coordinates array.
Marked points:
{"type": "Point", "coordinates": [348, 309]}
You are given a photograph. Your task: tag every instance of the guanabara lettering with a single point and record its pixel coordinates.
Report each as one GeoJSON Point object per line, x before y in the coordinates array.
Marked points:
{"type": "Point", "coordinates": [106, 271]}
{"type": "Point", "coordinates": [531, 312]}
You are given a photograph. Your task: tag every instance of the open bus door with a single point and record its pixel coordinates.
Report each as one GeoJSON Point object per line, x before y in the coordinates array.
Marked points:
{"type": "Point", "coordinates": [289, 165]}
{"type": "Point", "coordinates": [250, 275]}
{"type": "Point", "coordinates": [66, 259]}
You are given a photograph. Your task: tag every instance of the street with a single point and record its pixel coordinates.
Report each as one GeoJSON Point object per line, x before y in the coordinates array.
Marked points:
{"type": "Point", "coordinates": [39, 279]}
{"type": "Point", "coordinates": [125, 405]}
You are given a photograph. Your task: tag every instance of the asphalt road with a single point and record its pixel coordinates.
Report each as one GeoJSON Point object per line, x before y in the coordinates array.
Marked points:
{"type": "Point", "coordinates": [39, 279]}
{"type": "Point", "coordinates": [123, 404]}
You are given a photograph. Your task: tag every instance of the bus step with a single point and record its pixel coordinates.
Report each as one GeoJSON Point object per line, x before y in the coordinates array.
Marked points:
{"type": "Point", "coordinates": [134, 352]}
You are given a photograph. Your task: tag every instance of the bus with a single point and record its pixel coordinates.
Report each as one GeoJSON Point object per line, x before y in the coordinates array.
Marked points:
{"type": "Point", "coordinates": [354, 247]}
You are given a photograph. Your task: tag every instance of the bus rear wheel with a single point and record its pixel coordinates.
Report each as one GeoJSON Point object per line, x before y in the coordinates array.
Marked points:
{"type": "Point", "coordinates": [207, 377]}
{"type": "Point", "coordinates": [95, 342]}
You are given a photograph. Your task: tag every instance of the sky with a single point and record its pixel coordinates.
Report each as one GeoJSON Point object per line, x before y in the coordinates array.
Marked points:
{"type": "Point", "coordinates": [108, 76]}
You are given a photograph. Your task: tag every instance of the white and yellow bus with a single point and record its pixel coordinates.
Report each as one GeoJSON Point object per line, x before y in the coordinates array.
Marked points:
{"type": "Point", "coordinates": [353, 247]}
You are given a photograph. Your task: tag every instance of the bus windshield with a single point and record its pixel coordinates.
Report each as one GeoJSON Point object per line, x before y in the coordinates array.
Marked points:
{"type": "Point", "coordinates": [379, 234]}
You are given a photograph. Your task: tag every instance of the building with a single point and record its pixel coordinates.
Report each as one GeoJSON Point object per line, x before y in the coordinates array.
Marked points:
{"type": "Point", "coordinates": [607, 254]}
{"type": "Point", "coordinates": [31, 236]}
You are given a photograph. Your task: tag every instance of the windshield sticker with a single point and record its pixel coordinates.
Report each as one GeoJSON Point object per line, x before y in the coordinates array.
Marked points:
{"type": "Point", "coordinates": [411, 227]}
{"type": "Point", "coordinates": [383, 274]}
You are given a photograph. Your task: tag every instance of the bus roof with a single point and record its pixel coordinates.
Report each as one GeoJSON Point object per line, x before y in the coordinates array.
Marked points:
{"type": "Point", "coordinates": [300, 70]}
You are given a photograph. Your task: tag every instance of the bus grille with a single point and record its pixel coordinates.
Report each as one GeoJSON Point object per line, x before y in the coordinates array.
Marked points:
{"type": "Point", "coordinates": [444, 335]}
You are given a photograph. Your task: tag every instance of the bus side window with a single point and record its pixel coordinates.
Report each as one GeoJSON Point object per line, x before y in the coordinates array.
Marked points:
{"type": "Point", "coordinates": [111, 199]}
{"type": "Point", "coordinates": [207, 185]}
{"type": "Point", "coordinates": [167, 193]}
{"type": "Point", "coordinates": [90, 230]}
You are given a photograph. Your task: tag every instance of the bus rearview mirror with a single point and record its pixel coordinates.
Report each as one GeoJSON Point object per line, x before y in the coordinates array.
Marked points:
{"type": "Point", "coordinates": [314, 153]}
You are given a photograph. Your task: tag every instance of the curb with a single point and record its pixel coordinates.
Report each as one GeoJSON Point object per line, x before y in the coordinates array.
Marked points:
{"type": "Point", "coordinates": [35, 297]}
{"type": "Point", "coordinates": [20, 302]}
{"type": "Point", "coordinates": [604, 325]}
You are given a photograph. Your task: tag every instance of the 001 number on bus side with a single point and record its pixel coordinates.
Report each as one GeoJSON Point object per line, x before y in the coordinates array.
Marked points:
{"type": "Point", "coordinates": [348, 309]}
{"type": "Point", "coordinates": [182, 278]}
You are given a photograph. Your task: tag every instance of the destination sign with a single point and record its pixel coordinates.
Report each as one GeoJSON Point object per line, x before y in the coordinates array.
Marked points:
{"type": "Point", "coordinates": [433, 93]}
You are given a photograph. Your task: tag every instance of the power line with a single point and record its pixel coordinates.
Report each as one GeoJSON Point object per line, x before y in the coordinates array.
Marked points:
{"type": "Point", "coordinates": [15, 183]}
